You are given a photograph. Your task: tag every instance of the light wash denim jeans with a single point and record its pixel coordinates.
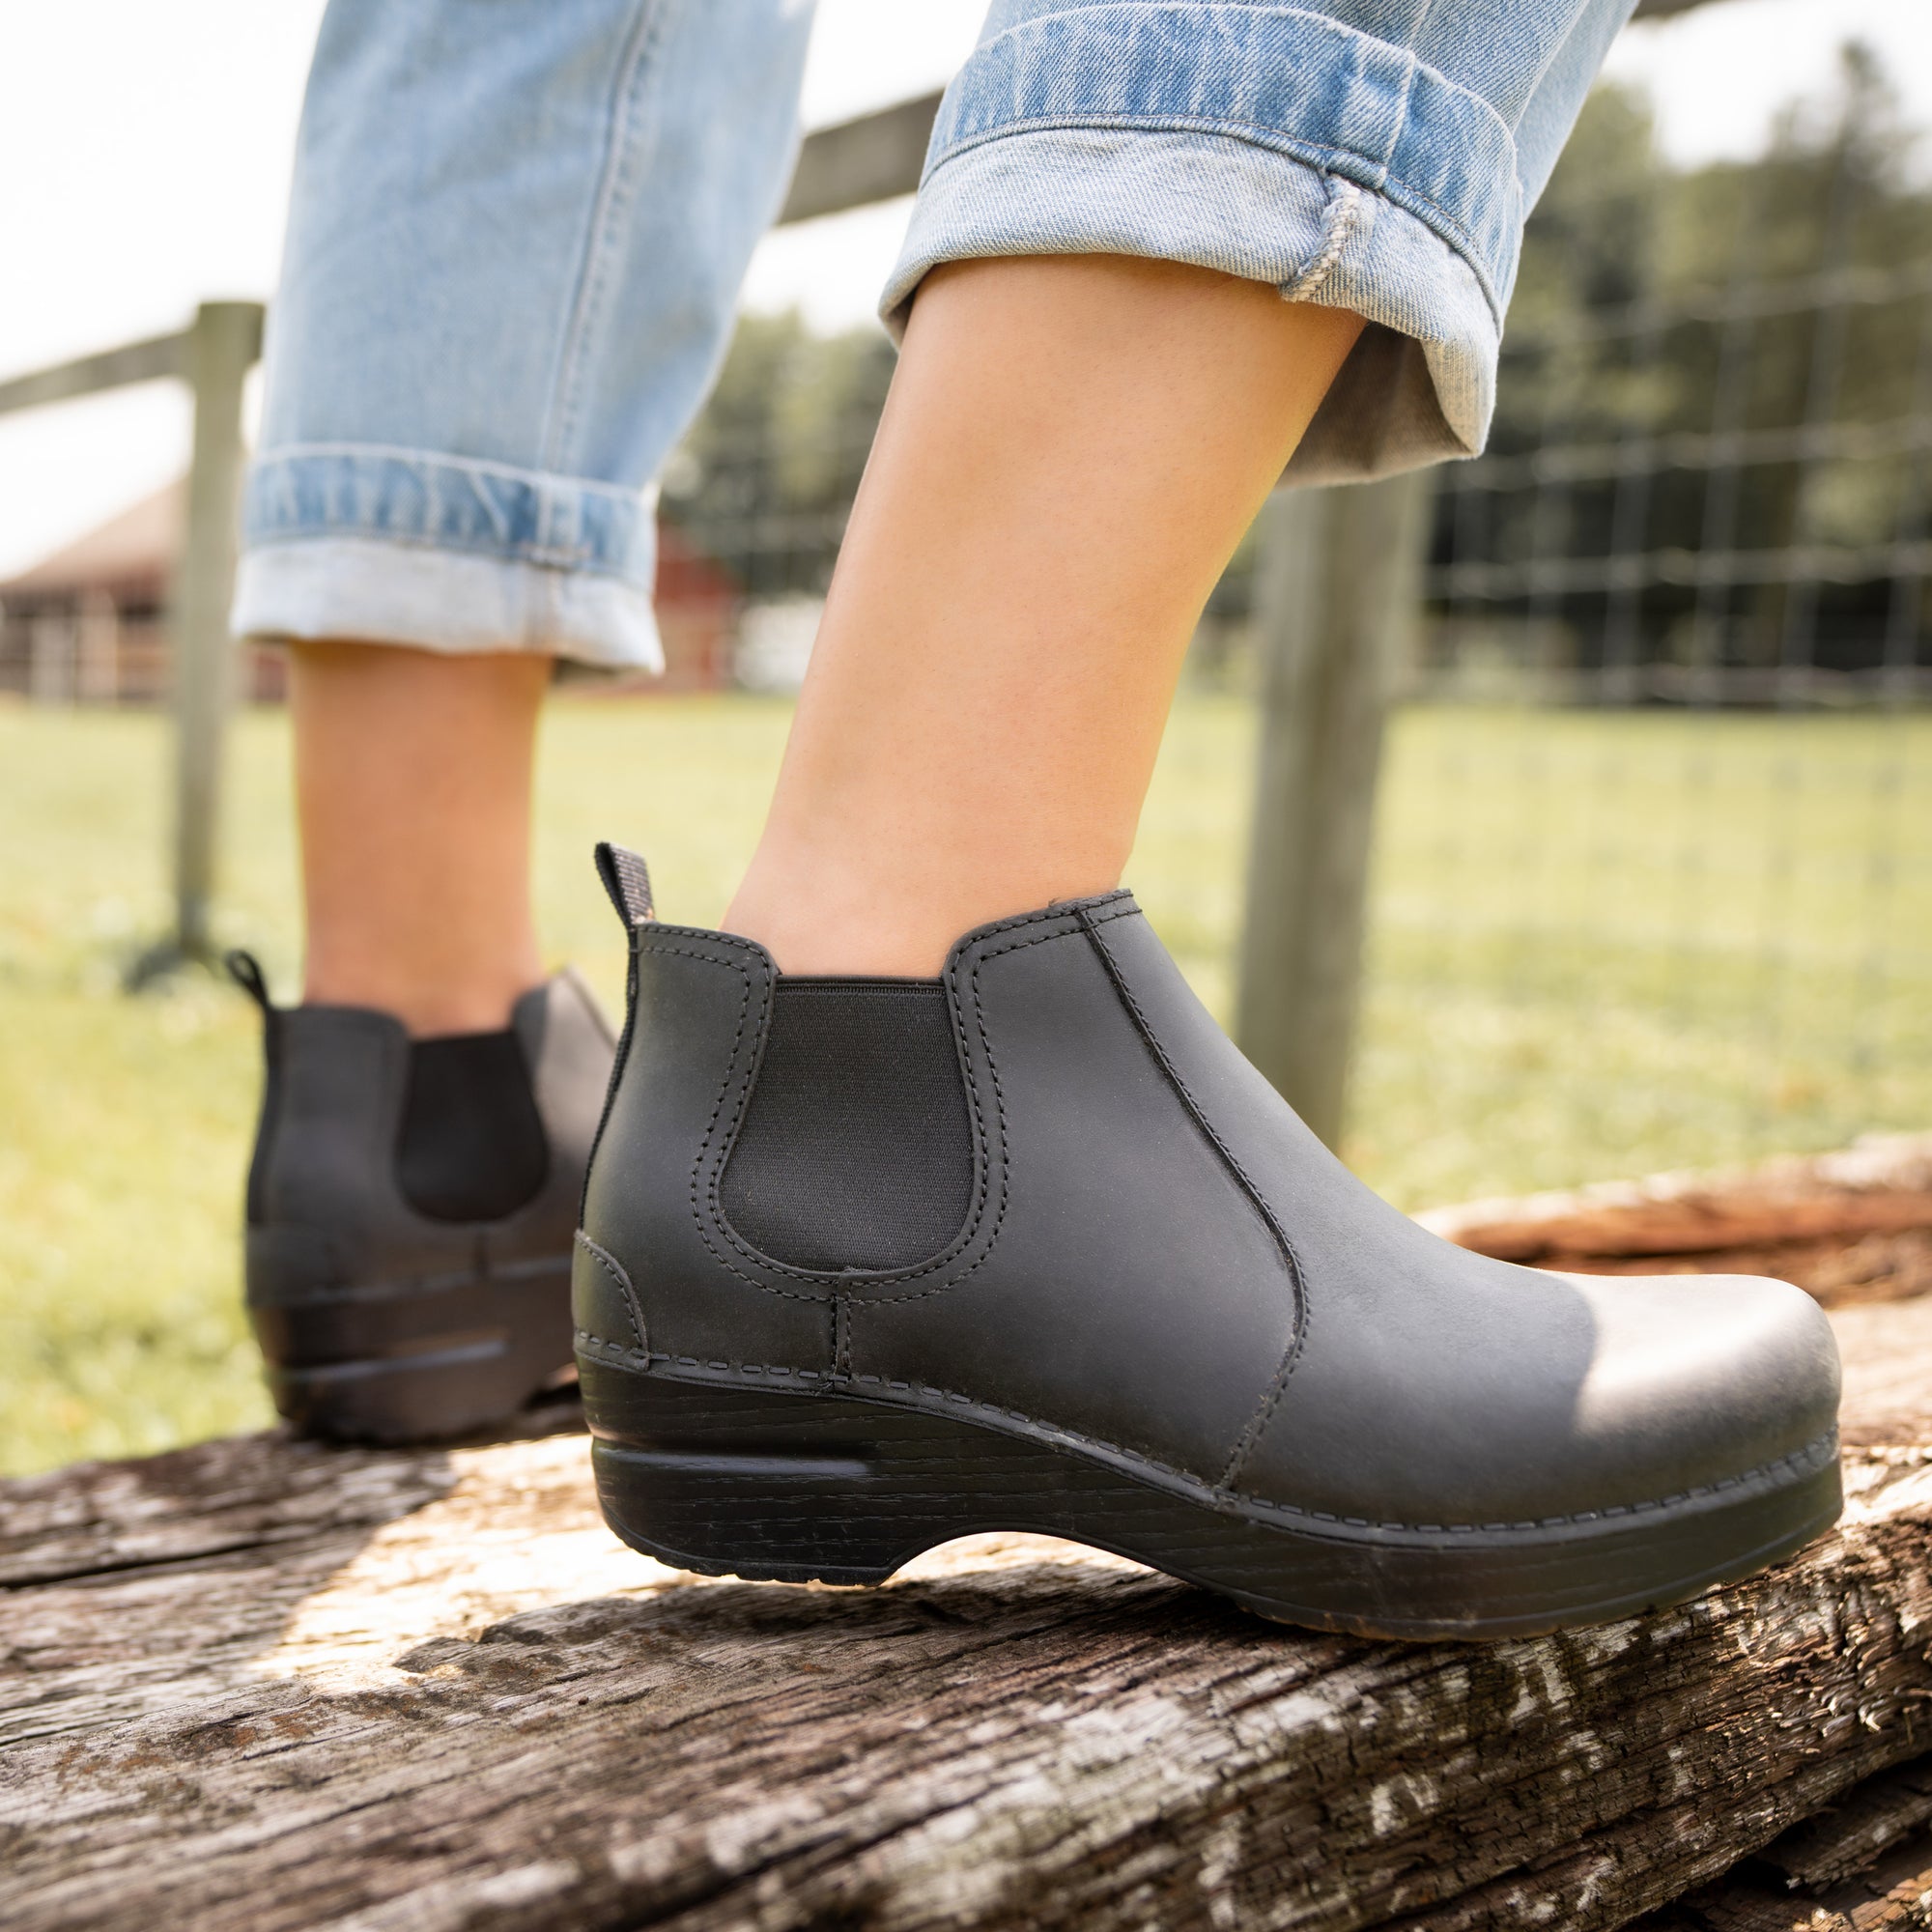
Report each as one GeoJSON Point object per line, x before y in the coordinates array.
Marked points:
{"type": "Point", "coordinates": [517, 232]}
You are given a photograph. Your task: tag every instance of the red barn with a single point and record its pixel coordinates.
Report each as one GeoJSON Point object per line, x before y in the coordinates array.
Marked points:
{"type": "Point", "coordinates": [87, 624]}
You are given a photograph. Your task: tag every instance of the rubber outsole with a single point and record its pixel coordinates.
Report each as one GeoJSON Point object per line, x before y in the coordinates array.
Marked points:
{"type": "Point", "coordinates": [418, 1362]}
{"type": "Point", "coordinates": [836, 1488]}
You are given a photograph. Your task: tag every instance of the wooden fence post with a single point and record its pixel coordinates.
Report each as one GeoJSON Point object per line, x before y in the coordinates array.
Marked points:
{"type": "Point", "coordinates": [1336, 594]}
{"type": "Point", "coordinates": [221, 344]}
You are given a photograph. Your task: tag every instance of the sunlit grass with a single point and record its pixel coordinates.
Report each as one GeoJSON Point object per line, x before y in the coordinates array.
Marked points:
{"type": "Point", "coordinates": [1604, 945]}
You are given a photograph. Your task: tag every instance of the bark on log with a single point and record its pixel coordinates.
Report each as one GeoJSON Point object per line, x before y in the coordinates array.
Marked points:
{"type": "Point", "coordinates": [261, 1685]}
{"type": "Point", "coordinates": [1810, 1210]}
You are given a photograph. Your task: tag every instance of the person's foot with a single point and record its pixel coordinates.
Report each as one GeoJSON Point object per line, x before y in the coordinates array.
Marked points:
{"type": "Point", "coordinates": [867, 1265]}
{"type": "Point", "coordinates": [410, 1206]}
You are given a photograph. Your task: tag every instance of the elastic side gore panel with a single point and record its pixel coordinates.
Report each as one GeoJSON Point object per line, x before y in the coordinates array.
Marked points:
{"type": "Point", "coordinates": [473, 1145]}
{"type": "Point", "coordinates": [856, 1150]}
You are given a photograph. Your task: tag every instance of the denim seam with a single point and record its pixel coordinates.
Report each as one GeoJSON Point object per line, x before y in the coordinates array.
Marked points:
{"type": "Point", "coordinates": [1410, 69]}
{"type": "Point", "coordinates": [1323, 24]}
{"type": "Point", "coordinates": [483, 466]}
{"type": "Point", "coordinates": [1338, 223]}
{"type": "Point", "coordinates": [608, 538]}
{"type": "Point", "coordinates": [1328, 24]}
{"type": "Point", "coordinates": [1347, 163]}
{"type": "Point", "coordinates": [536, 555]}
{"type": "Point", "coordinates": [615, 186]}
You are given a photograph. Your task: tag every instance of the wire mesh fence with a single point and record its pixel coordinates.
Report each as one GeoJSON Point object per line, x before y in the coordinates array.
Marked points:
{"type": "Point", "coordinates": [1674, 867]}
{"type": "Point", "coordinates": [1653, 878]}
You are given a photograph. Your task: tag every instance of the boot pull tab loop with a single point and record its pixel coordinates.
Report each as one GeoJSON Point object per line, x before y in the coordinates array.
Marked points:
{"type": "Point", "coordinates": [628, 880]}
{"type": "Point", "coordinates": [245, 970]}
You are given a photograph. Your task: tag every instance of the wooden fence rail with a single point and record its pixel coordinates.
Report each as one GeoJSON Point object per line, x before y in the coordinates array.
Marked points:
{"type": "Point", "coordinates": [212, 355]}
{"type": "Point", "coordinates": [857, 162]}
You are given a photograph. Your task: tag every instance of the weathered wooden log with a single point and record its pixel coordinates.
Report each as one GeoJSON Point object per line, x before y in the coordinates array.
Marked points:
{"type": "Point", "coordinates": [1814, 1208]}
{"type": "Point", "coordinates": [1894, 1896]}
{"type": "Point", "coordinates": [263, 1685]}
{"type": "Point", "coordinates": [1840, 1272]}
{"type": "Point", "coordinates": [1865, 1825]}
{"type": "Point", "coordinates": [1863, 1865]}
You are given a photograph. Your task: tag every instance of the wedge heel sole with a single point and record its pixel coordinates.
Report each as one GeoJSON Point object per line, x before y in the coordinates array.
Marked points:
{"type": "Point", "coordinates": [836, 1488]}
{"type": "Point", "coordinates": [416, 1363]}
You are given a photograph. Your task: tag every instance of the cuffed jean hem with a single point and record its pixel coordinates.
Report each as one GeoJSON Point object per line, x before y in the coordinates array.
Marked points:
{"type": "Point", "coordinates": [382, 592]}
{"type": "Point", "coordinates": [1419, 385]}
{"type": "Point", "coordinates": [446, 553]}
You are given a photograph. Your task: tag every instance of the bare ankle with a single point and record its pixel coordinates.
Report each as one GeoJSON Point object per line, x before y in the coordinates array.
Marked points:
{"type": "Point", "coordinates": [807, 934]}
{"type": "Point", "coordinates": [414, 785]}
{"type": "Point", "coordinates": [430, 998]}
{"type": "Point", "coordinates": [845, 919]}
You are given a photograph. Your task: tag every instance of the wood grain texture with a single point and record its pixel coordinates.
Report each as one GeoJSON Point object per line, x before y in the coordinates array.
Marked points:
{"type": "Point", "coordinates": [1892, 1896]}
{"type": "Point", "coordinates": [1839, 1271]}
{"type": "Point", "coordinates": [262, 1685]}
{"type": "Point", "coordinates": [1847, 1838]}
{"type": "Point", "coordinates": [1811, 1211]}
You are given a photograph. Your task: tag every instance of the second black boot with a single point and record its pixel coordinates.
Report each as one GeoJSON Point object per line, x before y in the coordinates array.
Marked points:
{"type": "Point", "coordinates": [868, 1265]}
{"type": "Point", "coordinates": [410, 1208]}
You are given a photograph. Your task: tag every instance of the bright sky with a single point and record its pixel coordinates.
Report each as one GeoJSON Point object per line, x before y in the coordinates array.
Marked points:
{"type": "Point", "coordinates": [146, 154]}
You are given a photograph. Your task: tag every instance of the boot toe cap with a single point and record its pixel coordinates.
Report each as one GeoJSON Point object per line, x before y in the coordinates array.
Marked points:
{"type": "Point", "coordinates": [1697, 1380]}
{"type": "Point", "coordinates": [1604, 1395]}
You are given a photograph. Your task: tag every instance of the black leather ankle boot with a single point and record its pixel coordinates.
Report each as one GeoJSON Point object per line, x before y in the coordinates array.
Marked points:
{"type": "Point", "coordinates": [410, 1206]}
{"type": "Point", "coordinates": [867, 1265]}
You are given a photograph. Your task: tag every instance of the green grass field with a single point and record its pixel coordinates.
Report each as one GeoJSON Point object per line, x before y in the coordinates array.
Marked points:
{"type": "Point", "coordinates": [1603, 945]}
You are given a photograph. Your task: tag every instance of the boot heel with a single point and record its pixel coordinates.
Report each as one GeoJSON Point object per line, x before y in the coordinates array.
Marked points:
{"type": "Point", "coordinates": [772, 1487]}
{"type": "Point", "coordinates": [420, 1363]}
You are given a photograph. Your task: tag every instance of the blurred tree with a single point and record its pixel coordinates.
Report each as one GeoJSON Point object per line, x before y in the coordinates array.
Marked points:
{"type": "Point", "coordinates": [766, 477]}
{"type": "Point", "coordinates": [1674, 341]}
{"type": "Point", "coordinates": [1674, 336]}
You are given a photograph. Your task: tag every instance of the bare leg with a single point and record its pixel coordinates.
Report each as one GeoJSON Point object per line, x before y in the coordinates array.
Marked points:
{"type": "Point", "coordinates": [1070, 452]}
{"type": "Point", "coordinates": [412, 780]}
